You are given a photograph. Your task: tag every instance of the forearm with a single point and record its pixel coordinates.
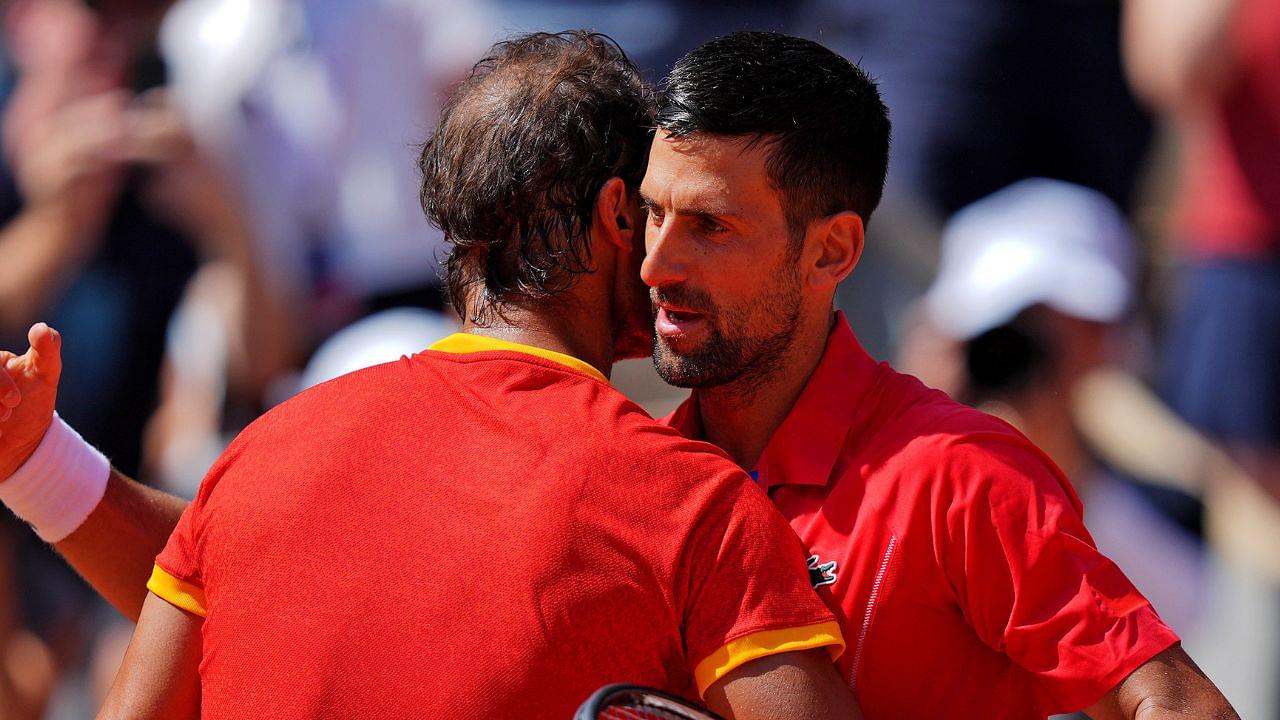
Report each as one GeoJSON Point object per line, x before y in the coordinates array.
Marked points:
{"type": "Point", "coordinates": [115, 548]}
{"type": "Point", "coordinates": [1179, 709]}
{"type": "Point", "coordinates": [1169, 686]}
{"type": "Point", "coordinates": [259, 321]}
{"type": "Point", "coordinates": [38, 256]}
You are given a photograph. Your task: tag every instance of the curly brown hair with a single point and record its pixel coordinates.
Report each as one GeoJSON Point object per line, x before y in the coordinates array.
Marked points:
{"type": "Point", "coordinates": [522, 149]}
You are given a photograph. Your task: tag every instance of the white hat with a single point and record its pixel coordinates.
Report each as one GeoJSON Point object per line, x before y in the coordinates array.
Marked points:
{"type": "Point", "coordinates": [378, 338]}
{"type": "Point", "coordinates": [1035, 242]}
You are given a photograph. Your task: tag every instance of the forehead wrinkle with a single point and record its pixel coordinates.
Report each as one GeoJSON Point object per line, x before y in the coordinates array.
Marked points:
{"type": "Point", "coordinates": [698, 187]}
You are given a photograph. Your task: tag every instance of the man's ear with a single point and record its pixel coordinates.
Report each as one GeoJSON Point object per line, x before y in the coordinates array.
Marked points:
{"type": "Point", "coordinates": [839, 239]}
{"type": "Point", "coordinates": [612, 220]}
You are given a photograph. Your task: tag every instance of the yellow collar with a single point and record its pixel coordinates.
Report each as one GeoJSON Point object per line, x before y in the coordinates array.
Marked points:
{"type": "Point", "coordinates": [463, 343]}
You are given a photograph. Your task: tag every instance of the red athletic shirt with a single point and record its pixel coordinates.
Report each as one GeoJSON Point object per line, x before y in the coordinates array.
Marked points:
{"type": "Point", "coordinates": [951, 546]}
{"type": "Point", "coordinates": [484, 530]}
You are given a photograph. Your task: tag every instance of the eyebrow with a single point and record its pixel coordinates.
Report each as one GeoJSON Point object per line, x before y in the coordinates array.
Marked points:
{"type": "Point", "coordinates": [649, 204]}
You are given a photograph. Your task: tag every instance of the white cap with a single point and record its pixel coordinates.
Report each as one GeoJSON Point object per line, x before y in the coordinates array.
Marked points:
{"type": "Point", "coordinates": [378, 338]}
{"type": "Point", "coordinates": [1035, 242]}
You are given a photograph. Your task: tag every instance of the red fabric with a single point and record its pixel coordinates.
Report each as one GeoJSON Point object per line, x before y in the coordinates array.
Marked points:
{"type": "Point", "coordinates": [1231, 198]}
{"type": "Point", "coordinates": [966, 581]}
{"type": "Point", "coordinates": [488, 535]}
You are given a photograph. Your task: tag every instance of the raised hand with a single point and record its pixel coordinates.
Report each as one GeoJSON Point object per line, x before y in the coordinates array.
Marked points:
{"type": "Point", "coordinates": [28, 389]}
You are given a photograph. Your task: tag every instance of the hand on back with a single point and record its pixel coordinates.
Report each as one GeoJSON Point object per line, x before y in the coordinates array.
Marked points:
{"type": "Point", "coordinates": [28, 389]}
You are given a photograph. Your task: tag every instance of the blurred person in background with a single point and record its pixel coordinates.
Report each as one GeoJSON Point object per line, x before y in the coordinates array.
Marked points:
{"type": "Point", "coordinates": [1212, 67]}
{"type": "Point", "coordinates": [107, 209]}
{"type": "Point", "coordinates": [655, 33]}
{"type": "Point", "coordinates": [1033, 295]}
{"type": "Point", "coordinates": [983, 93]}
{"type": "Point", "coordinates": [312, 106]}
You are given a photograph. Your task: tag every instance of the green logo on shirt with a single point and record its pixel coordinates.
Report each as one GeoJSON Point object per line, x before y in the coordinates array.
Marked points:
{"type": "Point", "coordinates": [821, 573]}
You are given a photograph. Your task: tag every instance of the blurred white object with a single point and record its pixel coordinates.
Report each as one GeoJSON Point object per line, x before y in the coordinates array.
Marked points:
{"type": "Point", "coordinates": [376, 339]}
{"type": "Point", "coordinates": [318, 106]}
{"type": "Point", "coordinates": [1037, 241]}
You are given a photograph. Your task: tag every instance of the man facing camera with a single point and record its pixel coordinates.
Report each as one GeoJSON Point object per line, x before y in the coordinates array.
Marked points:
{"type": "Point", "coordinates": [954, 548]}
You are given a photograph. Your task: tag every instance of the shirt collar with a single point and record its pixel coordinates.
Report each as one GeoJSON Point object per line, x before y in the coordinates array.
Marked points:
{"type": "Point", "coordinates": [805, 447]}
{"type": "Point", "coordinates": [467, 343]}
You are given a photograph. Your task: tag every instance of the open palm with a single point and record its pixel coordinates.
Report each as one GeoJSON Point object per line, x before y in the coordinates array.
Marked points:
{"type": "Point", "coordinates": [28, 389]}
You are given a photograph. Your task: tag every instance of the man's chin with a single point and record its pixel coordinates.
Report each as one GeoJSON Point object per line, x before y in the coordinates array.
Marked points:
{"type": "Point", "coordinates": [675, 370]}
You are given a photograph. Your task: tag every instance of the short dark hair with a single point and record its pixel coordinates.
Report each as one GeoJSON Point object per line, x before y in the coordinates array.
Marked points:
{"type": "Point", "coordinates": [822, 115]}
{"type": "Point", "coordinates": [518, 158]}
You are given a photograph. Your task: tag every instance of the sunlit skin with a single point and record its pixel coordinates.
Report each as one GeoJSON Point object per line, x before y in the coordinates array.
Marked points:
{"type": "Point", "coordinates": [633, 324]}
{"type": "Point", "coordinates": [741, 314]}
{"type": "Point", "coordinates": [717, 243]}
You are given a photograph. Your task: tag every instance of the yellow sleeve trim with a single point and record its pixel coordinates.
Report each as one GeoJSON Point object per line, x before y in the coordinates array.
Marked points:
{"type": "Point", "coordinates": [764, 643]}
{"type": "Point", "coordinates": [178, 593]}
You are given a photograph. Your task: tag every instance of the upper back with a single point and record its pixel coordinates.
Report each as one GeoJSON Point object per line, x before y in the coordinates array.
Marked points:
{"type": "Point", "coordinates": [453, 534]}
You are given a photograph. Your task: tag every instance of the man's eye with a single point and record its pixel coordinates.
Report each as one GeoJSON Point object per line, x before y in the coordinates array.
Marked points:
{"type": "Point", "coordinates": [655, 216]}
{"type": "Point", "coordinates": [711, 226]}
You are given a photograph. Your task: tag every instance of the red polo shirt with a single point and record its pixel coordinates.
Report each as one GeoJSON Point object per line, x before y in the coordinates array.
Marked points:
{"type": "Point", "coordinates": [953, 548]}
{"type": "Point", "coordinates": [484, 531]}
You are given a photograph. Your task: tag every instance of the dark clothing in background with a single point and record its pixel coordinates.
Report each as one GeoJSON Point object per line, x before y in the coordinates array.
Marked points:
{"type": "Point", "coordinates": [113, 318]}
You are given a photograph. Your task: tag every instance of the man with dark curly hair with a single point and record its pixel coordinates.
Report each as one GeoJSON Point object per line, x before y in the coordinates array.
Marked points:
{"type": "Point", "coordinates": [486, 529]}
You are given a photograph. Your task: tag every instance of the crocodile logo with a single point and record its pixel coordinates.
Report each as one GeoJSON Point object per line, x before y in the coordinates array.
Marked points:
{"type": "Point", "coordinates": [821, 573]}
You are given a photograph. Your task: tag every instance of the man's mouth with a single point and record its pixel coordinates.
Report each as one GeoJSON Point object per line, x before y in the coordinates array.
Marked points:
{"type": "Point", "coordinates": [672, 321]}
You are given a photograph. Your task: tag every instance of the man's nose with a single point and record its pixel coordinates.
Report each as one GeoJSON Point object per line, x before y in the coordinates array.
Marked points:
{"type": "Point", "coordinates": [664, 260]}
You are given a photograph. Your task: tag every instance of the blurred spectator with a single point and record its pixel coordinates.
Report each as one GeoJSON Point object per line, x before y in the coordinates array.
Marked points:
{"type": "Point", "coordinates": [107, 207]}
{"type": "Point", "coordinates": [1035, 287]}
{"type": "Point", "coordinates": [1213, 68]}
{"type": "Point", "coordinates": [982, 93]}
{"type": "Point", "coordinates": [316, 107]}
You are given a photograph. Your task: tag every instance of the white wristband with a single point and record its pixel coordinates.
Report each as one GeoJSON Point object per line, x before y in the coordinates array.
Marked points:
{"type": "Point", "coordinates": [57, 488]}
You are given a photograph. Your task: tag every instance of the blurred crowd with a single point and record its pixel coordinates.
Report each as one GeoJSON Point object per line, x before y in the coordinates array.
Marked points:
{"type": "Point", "coordinates": [216, 203]}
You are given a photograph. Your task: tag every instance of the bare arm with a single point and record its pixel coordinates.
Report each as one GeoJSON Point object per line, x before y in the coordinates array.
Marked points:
{"type": "Point", "coordinates": [160, 676]}
{"type": "Point", "coordinates": [69, 180]}
{"type": "Point", "coordinates": [40, 250]}
{"type": "Point", "coordinates": [1169, 686]}
{"type": "Point", "coordinates": [788, 685]}
{"type": "Point", "coordinates": [115, 547]}
{"type": "Point", "coordinates": [1176, 51]}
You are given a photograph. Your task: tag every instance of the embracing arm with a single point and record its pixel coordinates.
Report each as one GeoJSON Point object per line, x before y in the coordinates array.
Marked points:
{"type": "Point", "coordinates": [117, 531]}
{"type": "Point", "coordinates": [116, 546]}
{"type": "Point", "coordinates": [1169, 686]}
{"type": "Point", "coordinates": [160, 676]}
{"type": "Point", "coordinates": [800, 684]}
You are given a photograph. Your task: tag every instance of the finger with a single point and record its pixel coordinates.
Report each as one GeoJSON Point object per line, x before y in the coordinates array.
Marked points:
{"type": "Point", "coordinates": [45, 355]}
{"type": "Point", "coordinates": [10, 396]}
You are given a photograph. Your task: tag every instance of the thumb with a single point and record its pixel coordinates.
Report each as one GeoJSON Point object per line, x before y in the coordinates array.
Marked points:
{"type": "Point", "coordinates": [44, 358]}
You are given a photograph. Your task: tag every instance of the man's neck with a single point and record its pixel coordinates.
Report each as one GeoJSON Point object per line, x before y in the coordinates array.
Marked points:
{"type": "Point", "coordinates": [549, 328]}
{"type": "Point", "coordinates": [741, 421]}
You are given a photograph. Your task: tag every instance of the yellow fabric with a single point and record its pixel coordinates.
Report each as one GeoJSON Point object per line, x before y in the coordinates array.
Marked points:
{"type": "Point", "coordinates": [462, 343]}
{"type": "Point", "coordinates": [762, 644]}
{"type": "Point", "coordinates": [182, 595]}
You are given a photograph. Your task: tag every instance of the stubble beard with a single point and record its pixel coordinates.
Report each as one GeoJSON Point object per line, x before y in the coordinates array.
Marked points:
{"type": "Point", "coordinates": [736, 365]}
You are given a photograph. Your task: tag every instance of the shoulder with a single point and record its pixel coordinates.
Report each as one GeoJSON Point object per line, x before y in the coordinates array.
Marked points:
{"type": "Point", "coordinates": [922, 438]}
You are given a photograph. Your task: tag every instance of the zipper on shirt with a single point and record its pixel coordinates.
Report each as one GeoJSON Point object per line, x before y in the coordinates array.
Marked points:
{"type": "Point", "coordinates": [871, 608]}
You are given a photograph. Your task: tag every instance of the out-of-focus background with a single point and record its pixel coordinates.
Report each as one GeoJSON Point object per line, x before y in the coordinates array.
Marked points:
{"type": "Point", "coordinates": [215, 201]}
